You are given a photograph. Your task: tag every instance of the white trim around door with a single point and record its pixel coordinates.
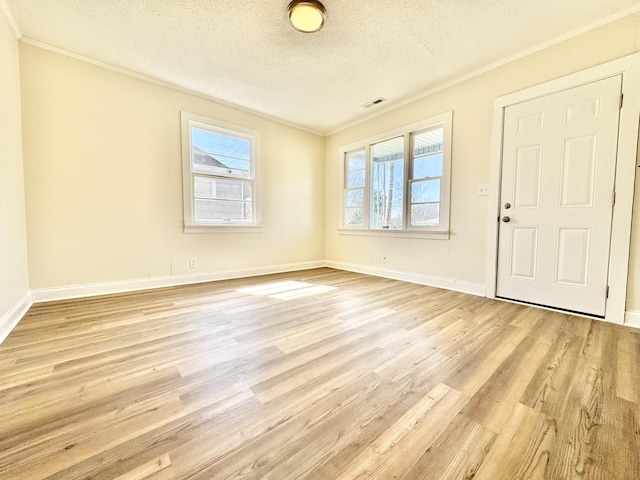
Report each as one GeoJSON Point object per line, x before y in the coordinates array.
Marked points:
{"type": "Point", "coordinates": [629, 68]}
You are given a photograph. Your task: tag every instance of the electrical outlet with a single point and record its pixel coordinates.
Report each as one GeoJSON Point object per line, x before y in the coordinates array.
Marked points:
{"type": "Point", "coordinates": [377, 258]}
{"type": "Point", "coordinates": [193, 263]}
{"type": "Point", "coordinates": [483, 190]}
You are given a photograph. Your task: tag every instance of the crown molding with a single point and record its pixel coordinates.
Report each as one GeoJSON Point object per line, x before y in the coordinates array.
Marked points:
{"type": "Point", "coordinates": [10, 19]}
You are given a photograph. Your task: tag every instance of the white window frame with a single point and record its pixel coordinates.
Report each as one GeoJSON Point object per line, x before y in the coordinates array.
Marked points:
{"type": "Point", "coordinates": [441, 231]}
{"type": "Point", "coordinates": [345, 190]}
{"type": "Point", "coordinates": [190, 120]}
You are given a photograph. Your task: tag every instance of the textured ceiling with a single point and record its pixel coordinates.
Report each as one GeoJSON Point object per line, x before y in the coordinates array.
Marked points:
{"type": "Point", "coordinates": [245, 52]}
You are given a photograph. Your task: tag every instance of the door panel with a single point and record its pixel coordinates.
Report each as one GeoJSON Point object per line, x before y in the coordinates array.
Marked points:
{"type": "Point", "coordinates": [572, 264]}
{"type": "Point", "coordinates": [558, 172]}
{"type": "Point", "coordinates": [531, 122]}
{"type": "Point", "coordinates": [524, 252]}
{"type": "Point", "coordinates": [590, 108]}
{"type": "Point", "coordinates": [527, 176]}
{"type": "Point", "coordinates": [578, 171]}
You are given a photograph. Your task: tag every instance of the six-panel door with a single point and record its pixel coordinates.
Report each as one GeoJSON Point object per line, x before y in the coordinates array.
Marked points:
{"type": "Point", "coordinates": [558, 173]}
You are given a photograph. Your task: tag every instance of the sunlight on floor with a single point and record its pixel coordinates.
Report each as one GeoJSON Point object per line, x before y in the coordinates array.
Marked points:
{"type": "Point", "coordinates": [287, 290]}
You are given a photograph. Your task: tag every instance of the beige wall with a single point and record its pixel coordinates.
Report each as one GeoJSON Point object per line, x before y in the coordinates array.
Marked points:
{"type": "Point", "coordinates": [14, 282]}
{"type": "Point", "coordinates": [104, 189]}
{"type": "Point", "coordinates": [463, 256]}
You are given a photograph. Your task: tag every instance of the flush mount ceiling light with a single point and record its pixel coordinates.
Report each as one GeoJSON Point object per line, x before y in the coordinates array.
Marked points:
{"type": "Point", "coordinates": [306, 16]}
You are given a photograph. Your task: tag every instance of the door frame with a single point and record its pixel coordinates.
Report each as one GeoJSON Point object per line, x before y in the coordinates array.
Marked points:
{"type": "Point", "coordinates": [619, 248]}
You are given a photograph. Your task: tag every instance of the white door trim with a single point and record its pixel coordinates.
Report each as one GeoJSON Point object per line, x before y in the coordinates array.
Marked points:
{"type": "Point", "coordinates": [629, 67]}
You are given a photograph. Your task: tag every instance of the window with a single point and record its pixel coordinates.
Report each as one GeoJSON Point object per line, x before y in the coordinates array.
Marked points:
{"type": "Point", "coordinates": [354, 188]}
{"type": "Point", "coordinates": [219, 174]}
{"type": "Point", "coordinates": [426, 178]}
{"type": "Point", "coordinates": [399, 181]}
{"type": "Point", "coordinates": [387, 184]}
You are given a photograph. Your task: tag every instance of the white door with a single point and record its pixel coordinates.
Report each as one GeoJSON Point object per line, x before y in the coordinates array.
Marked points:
{"type": "Point", "coordinates": [559, 157]}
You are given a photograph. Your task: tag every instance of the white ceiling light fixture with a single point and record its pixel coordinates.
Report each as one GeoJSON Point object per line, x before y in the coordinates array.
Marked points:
{"type": "Point", "coordinates": [306, 16]}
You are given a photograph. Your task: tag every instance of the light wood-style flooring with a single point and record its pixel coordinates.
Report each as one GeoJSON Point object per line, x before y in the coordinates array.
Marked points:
{"type": "Point", "coordinates": [320, 374]}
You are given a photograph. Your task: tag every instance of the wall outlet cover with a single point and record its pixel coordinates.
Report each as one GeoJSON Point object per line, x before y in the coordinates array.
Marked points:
{"type": "Point", "coordinates": [483, 190]}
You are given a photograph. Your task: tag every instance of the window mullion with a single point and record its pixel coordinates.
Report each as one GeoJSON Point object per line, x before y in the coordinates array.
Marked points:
{"type": "Point", "coordinates": [408, 173]}
{"type": "Point", "coordinates": [366, 201]}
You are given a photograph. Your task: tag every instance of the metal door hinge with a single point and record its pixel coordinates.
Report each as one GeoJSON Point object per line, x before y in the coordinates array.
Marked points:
{"type": "Point", "coordinates": [621, 100]}
{"type": "Point", "coordinates": [607, 291]}
{"type": "Point", "coordinates": [613, 198]}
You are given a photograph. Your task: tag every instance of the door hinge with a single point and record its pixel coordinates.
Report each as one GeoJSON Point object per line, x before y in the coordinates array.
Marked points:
{"type": "Point", "coordinates": [607, 291]}
{"type": "Point", "coordinates": [621, 100]}
{"type": "Point", "coordinates": [613, 198]}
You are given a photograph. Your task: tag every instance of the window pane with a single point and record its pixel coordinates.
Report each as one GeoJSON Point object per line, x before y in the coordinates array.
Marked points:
{"type": "Point", "coordinates": [219, 154]}
{"type": "Point", "coordinates": [429, 166]}
{"type": "Point", "coordinates": [355, 169]}
{"type": "Point", "coordinates": [204, 187]}
{"type": "Point", "coordinates": [353, 216]}
{"type": "Point", "coordinates": [355, 161]}
{"type": "Point", "coordinates": [425, 191]}
{"type": "Point", "coordinates": [387, 192]}
{"type": "Point", "coordinates": [388, 150]}
{"type": "Point", "coordinates": [222, 188]}
{"type": "Point", "coordinates": [356, 179]}
{"type": "Point", "coordinates": [355, 198]}
{"type": "Point", "coordinates": [427, 142]}
{"type": "Point", "coordinates": [425, 215]}
{"type": "Point", "coordinates": [222, 210]}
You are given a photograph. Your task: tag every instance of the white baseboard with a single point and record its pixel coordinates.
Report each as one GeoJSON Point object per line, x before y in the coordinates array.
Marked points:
{"type": "Point", "coordinates": [10, 319]}
{"type": "Point", "coordinates": [106, 288]}
{"type": "Point", "coordinates": [632, 319]}
{"type": "Point", "coordinates": [91, 290]}
{"type": "Point", "coordinates": [440, 282]}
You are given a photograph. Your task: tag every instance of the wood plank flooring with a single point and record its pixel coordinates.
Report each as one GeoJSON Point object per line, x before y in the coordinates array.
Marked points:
{"type": "Point", "coordinates": [320, 374]}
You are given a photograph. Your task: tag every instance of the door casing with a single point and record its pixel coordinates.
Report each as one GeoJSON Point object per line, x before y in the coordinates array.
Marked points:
{"type": "Point", "coordinates": [629, 68]}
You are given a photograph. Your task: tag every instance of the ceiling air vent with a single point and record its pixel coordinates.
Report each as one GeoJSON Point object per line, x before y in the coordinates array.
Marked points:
{"type": "Point", "coordinates": [375, 101]}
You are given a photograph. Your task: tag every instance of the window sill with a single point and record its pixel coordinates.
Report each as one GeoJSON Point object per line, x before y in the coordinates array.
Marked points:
{"type": "Point", "coordinates": [226, 228]}
{"type": "Point", "coordinates": [437, 235]}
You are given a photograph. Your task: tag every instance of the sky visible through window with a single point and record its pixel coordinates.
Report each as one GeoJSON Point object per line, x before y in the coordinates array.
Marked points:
{"type": "Point", "coordinates": [428, 166]}
{"type": "Point", "coordinates": [233, 152]}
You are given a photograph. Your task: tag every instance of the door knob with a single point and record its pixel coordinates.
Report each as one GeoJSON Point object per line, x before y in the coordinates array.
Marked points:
{"type": "Point", "coordinates": [507, 205]}
{"type": "Point", "coordinates": [506, 219]}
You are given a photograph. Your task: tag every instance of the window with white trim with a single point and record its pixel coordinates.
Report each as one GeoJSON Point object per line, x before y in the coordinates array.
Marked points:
{"type": "Point", "coordinates": [219, 174]}
{"type": "Point", "coordinates": [400, 180]}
